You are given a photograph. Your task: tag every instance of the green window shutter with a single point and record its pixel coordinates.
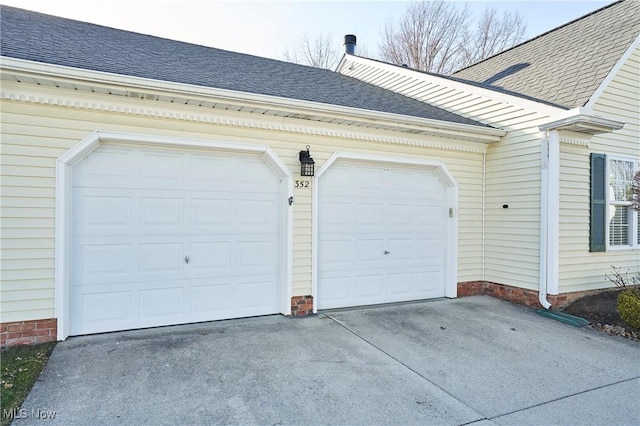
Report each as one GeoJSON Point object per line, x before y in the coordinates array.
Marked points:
{"type": "Point", "coordinates": [598, 216]}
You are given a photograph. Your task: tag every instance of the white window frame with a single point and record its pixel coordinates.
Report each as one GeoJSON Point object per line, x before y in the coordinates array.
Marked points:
{"type": "Point", "coordinates": [633, 217]}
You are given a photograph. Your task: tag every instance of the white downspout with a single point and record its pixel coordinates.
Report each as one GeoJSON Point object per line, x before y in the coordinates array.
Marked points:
{"type": "Point", "coordinates": [484, 218]}
{"type": "Point", "coordinates": [549, 210]}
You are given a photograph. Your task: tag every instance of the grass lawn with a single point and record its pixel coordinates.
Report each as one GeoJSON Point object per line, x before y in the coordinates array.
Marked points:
{"type": "Point", "coordinates": [19, 369]}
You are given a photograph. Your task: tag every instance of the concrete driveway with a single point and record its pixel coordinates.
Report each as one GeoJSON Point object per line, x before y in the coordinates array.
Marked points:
{"type": "Point", "coordinates": [473, 360]}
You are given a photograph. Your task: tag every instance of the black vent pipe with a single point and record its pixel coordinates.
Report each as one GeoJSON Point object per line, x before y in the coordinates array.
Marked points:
{"type": "Point", "coordinates": [350, 44]}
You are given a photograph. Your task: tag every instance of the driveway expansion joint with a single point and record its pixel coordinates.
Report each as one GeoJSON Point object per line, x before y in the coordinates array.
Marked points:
{"type": "Point", "coordinates": [337, 321]}
{"type": "Point", "coordinates": [564, 397]}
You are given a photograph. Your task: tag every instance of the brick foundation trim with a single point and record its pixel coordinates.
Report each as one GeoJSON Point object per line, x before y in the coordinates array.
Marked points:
{"type": "Point", "coordinates": [28, 332]}
{"type": "Point", "coordinates": [301, 306]}
{"type": "Point", "coordinates": [522, 296]}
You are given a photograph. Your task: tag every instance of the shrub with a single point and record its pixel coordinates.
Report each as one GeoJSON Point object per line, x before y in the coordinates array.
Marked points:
{"type": "Point", "coordinates": [629, 308]}
{"type": "Point", "coordinates": [629, 299]}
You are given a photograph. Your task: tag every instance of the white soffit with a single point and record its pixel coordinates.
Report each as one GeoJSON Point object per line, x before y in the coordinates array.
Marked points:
{"type": "Point", "coordinates": [141, 88]}
{"type": "Point", "coordinates": [585, 124]}
{"type": "Point", "coordinates": [349, 63]}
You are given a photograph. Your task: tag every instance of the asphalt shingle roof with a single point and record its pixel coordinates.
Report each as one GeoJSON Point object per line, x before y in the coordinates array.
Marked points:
{"type": "Point", "coordinates": [48, 39]}
{"type": "Point", "coordinates": [566, 65]}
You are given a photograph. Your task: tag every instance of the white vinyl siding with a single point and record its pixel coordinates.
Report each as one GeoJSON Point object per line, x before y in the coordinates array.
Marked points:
{"type": "Point", "coordinates": [512, 235]}
{"type": "Point", "coordinates": [580, 269]}
{"type": "Point", "coordinates": [35, 134]}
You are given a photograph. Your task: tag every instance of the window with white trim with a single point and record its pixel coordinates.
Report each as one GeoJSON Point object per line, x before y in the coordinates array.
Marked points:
{"type": "Point", "coordinates": [623, 220]}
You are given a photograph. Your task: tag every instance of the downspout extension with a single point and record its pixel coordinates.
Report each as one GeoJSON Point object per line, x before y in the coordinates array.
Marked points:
{"type": "Point", "coordinates": [544, 219]}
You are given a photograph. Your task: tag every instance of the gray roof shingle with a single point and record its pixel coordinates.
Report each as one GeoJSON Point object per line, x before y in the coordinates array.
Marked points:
{"type": "Point", "coordinates": [48, 39]}
{"type": "Point", "coordinates": [564, 66]}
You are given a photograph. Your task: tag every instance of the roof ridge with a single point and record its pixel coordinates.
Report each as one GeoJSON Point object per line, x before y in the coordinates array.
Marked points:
{"type": "Point", "coordinates": [541, 35]}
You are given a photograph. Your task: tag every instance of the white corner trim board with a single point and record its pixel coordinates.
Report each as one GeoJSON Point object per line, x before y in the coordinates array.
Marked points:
{"type": "Point", "coordinates": [63, 224]}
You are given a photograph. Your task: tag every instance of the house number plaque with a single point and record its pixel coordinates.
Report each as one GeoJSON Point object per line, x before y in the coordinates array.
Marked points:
{"type": "Point", "coordinates": [302, 184]}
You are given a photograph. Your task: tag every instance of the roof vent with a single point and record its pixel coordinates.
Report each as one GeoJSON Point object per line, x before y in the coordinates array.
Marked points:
{"type": "Point", "coordinates": [350, 44]}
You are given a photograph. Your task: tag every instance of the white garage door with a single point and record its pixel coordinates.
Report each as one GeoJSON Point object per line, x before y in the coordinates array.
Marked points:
{"type": "Point", "coordinates": [382, 235]}
{"type": "Point", "coordinates": [168, 236]}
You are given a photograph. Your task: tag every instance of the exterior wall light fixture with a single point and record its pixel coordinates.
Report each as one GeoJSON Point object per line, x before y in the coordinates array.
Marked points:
{"type": "Point", "coordinates": [306, 163]}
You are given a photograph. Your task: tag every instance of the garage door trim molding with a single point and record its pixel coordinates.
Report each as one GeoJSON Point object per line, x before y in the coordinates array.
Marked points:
{"type": "Point", "coordinates": [451, 193]}
{"type": "Point", "coordinates": [63, 207]}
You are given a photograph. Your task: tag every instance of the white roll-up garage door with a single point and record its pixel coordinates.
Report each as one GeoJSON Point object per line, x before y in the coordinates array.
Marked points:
{"type": "Point", "coordinates": [382, 234]}
{"type": "Point", "coordinates": [168, 236]}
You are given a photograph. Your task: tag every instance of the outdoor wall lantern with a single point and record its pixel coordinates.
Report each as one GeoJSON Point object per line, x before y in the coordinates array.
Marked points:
{"type": "Point", "coordinates": [306, 163]}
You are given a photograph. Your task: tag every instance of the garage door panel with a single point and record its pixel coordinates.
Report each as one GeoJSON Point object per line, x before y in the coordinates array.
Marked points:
{"type": "Point", "coordinates": [256, 296]}
{"type": "Point", "coordinates": [335, 291]}
{"type": "Point", "coordinates": [257, 212]}
{"type": "Point", "coordinates": [161, 166]}
{"type": "Point", "coordinates": [401, 285]}
{"type": "Point", "coordinates": [163, 211]}
{"type": "Point", "coordinates": [207, 170]}
{"type": "Point", "coordinates": [256, 256]}
{"type": "Point", "coordinates": [367, 179]}
{"type": "Point", "coordinates": [368, 251]}
{"type": "Point", "coordinates": [161, 258]}
{"type": "Point", "coordinates": [103, 308]}
{"type": "Point", "coordinates": [210, 212]}
{"type": "Point", "coordinates": [401, 248]}
{"type": "Point", "coordinates": [211, 298]}
{"type": "Point", "coordinates": [158, 303]}
{"type": "Point", "coordinates": [370, 288]}
{"type": "Point", "coordinates": [103, 210]}
{"type": "Point", "coordinates": [337, 213]}
{"type": "Point", "coordinates": [368, 214]}
{"type": "Point", "coordinates": [131, 238]}
{"type": "Point", "coordinates": [210, 257]}
{"type": "Point", "coordinates": [431, 248]}
{"type": "Point", "coordinates": [338, 182]}
{"type": "Point", "coordinates": [429, 283]}
{"type": "Point", "coordinates": [337, 253]}
{"type": "Point", "coordinates": [99, 260]}
{"type": "Point", "coordinates": [403, 214]}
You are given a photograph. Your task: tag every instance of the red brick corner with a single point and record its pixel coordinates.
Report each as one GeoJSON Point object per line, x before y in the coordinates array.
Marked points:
{"type": "Point", "coordinates": [301, 306]}
{"type": "Point", "coordinates": [28, 332]}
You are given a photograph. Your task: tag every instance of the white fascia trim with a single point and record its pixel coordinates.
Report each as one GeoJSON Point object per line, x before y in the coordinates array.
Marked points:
{"type": "Point", "coordinates": [451, 188]}
{"type": "Point", "coordinates": [258, 100]}
{"type": "Point", "coordinates": [595, 97]}
{"type": "Point", "coordinates": [63, 208]}
{"type": "Point", "coordinates": [582, 122]}
{"type": "Point", "coordinates": [539, 107]}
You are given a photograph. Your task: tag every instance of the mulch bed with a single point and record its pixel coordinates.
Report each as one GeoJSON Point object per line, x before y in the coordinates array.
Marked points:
{"type": "Point", "coordinates": [600, 310]}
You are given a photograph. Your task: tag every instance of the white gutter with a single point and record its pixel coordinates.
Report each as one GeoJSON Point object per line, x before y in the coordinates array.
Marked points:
{"type": "Point", "coordinates": [254, 99]}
